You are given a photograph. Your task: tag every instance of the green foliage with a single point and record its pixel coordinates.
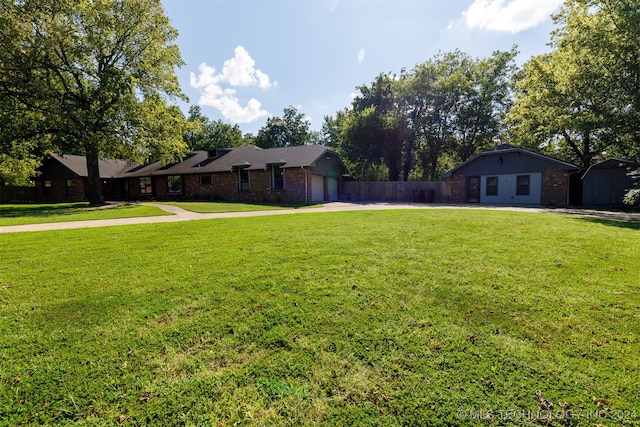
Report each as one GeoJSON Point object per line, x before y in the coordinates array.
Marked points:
{"type": "Point", "coordinates": [447, 108]}
{"type": "Point", "coordinates": [203, 134]}
{"type": "Point", "coordinates": [324, 319]}
{"type": "Point", "coordinates": [632, 196]}
{"type": "Point", "coordinates": [16, 170]}
{"type": "Point", "coordinates": [289, 130]}
{"type": "Point", "coordinates": [92, 78]}
{"type": "Point", "coordinates": [580, 101]}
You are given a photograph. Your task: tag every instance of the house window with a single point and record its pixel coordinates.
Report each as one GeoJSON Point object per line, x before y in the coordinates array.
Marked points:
{"type": "Point", "coordinates": [46, 188]}
{"type": "Point", "coordinates": [277, 174]}
{"type": "Point", "coordinates": [70, 186]}
{"type": "Point", "coordinates": [492, 186]}
{"type": "Point", "coordinates": [145, 185]}
{"type": "Point", "coordinates": [522, 185]}
{"type": "Point", "coordinates": [175, 184]}
{"type": "Point", "coordinates": [205, 179]}
{"type": "Point", "coordinates": [243, 179]}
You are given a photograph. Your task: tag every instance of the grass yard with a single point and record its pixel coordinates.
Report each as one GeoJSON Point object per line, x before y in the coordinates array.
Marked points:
{"type": "Point", "coordinates": [63, 212]}
{"type": "Point", "coordinates": [418, 317]}
{"type": "Point", "coordinates": [220, 207]}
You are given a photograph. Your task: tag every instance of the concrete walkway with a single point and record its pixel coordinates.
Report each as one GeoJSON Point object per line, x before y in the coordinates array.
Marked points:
{"type": "Point", "coordinates": [180, 214]}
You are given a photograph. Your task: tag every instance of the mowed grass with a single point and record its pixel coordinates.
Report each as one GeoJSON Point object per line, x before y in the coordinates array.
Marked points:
{"type": "Point", "coordinates": [220, 207]}
{"type": "Point", "coordinates": [63, 212]}
{"type": "Point", "coordinates": [420, 317]}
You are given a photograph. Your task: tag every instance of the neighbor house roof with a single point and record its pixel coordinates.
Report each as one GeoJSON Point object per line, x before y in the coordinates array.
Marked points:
{"type": "Point", "coordinates": [78, 165]}
{"type": "Point", "coordinates": [505, 149]}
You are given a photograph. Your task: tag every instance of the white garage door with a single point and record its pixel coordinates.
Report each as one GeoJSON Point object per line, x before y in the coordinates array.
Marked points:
{"type": "Point", "coordinates": [317, 188]}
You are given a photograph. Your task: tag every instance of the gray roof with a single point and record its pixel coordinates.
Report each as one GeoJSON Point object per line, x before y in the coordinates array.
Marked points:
{"type": "Point", "coordinates": [254, 158]}
{"type": "Point", "coordinates": [507, 148]}
{"type": "Point", "coordinates": [249, 157]}
{"type": "Point", "coordinates": [613, 163]}
{"type": "Point", "coordinates": [78, 165]}
{"type": "Point", "coordinates": [228, 159]}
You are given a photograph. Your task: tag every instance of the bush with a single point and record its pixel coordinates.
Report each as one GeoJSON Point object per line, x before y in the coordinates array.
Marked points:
{"type": "Point", "coordinates": [632, 197]}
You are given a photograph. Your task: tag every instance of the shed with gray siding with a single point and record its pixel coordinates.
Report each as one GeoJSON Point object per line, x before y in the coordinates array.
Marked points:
{"type": "Point", "coordinates": [605, 184]}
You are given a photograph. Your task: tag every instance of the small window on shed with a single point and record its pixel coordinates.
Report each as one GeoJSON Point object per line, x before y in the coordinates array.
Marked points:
{"type": "Point", "coordinates": [522, 185]}
{"type": "Point", "coordinates": [492, 186]}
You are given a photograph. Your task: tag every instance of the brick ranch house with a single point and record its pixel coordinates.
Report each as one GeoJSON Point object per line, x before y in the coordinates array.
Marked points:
{"type": "Point", "coordinates": [514, 176]}
{"type": "Point", "coordinates": [307, 173]}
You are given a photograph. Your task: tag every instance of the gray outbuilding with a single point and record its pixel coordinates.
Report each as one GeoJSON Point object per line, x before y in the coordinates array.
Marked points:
{"type": "Point", "coordinates": [604, 184]}
{"type": "Point", "coordinates": [511, 176]}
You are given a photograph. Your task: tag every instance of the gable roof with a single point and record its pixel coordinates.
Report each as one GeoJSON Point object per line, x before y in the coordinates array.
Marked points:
{"type": "Point", "coordinates": [78, 165]}
{"type": "Point", "coordinates": [507, 149]}
{"type": "Point", "coordinates": [610, 164]}
{"type": "Point", "coordinates": [227, 160]}
{"type": "Point", "coordinates": [255, 158]}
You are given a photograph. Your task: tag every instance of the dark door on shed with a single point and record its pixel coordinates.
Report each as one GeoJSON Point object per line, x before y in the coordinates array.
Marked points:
{"type": "Point", "coordinates": [473, 189]}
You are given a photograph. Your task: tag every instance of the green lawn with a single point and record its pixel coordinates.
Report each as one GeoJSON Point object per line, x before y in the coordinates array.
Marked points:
{"type": "Point", "coordinates": [62, 212]}
{"type": "Point", "coordinates": [418, 317]}
{"type": "Point", "coordinates": [220, 207]}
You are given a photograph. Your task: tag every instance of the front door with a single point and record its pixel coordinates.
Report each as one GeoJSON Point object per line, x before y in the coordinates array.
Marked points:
{"type": "Point", "coordinates": [473, 189]}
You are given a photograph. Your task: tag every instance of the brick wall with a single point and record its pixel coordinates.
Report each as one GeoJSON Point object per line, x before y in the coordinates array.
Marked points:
{"type": "Point", "coordinates": [58, 191]}
{"type": "Point", "coordinates": [160, 187]}
{"type": "Point", "coordinates": [555, 187]}
{"type": "Point", "coordinates": [458, 186]}
{"type": "Point", "coordinates": [223, 186]}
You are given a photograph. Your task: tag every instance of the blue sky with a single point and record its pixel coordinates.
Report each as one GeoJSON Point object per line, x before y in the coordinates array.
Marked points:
{"type": "Point", "coordinates": [247, 60]}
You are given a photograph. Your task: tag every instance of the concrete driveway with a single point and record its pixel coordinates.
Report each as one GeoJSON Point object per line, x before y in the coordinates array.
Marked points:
{"type": "Point", "coordinates": [180, 214]}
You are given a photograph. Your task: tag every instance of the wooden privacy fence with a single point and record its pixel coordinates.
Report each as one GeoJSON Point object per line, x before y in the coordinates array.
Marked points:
{"type": "Point", "coordinates": [16, 194]}
{"type": "Point", "coordinates": [395, 191]}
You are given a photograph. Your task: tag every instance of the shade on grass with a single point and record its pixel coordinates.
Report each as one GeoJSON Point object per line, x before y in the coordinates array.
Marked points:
{"type": "Point", "coordinates": [63, 212]}
{"type": "Point", "coordinates": [220, 207]}
{"type": "Point", "coordinates": [430, 317]}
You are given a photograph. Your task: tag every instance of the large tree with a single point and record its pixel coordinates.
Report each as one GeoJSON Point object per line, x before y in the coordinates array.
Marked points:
{"type": "Point", "coordinates": [582, 100]}
{"type": "Point", "coordinates": [457, 104]}
{"type": "Point", "coordinates": [204, 134]}
{"type": "Point", "coordinates": [92, 77]}
{"type": "Point", "coordinates": [289, 130]}
{"type": "Point", "coordinates": [379, 125]}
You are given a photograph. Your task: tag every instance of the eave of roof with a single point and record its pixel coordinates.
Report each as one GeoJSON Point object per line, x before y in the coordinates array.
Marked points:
{"type": "Point", "coordinates": [510, 149]}
{"type": "Point", "coordinates": [78, 165]}
{"type": "Point", "coordinates": [602, 165]}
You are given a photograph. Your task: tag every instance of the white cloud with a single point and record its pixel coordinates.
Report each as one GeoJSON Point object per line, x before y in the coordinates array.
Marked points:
{"type": "Point", "coordinates": [217, 88]}
{"type": "Point", "coordinates": [509, 15]}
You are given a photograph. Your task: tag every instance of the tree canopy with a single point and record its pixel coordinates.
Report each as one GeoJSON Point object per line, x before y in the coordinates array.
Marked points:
{"type": "Point", "coordinates": [289, 130]}
{"type": "Point", "coordinates": [92, 77]}
{"type": "Point", "coordinates": [581, 101]}
{"type": "Point", "coordinates": [450, 107]}
{"type": "Point", "coordinates": [204, 134]}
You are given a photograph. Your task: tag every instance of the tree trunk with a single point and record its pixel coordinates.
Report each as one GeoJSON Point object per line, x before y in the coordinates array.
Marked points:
{"type": "Point", "coordinates": [94, 190]}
